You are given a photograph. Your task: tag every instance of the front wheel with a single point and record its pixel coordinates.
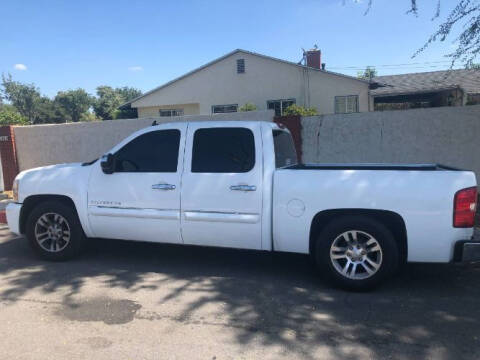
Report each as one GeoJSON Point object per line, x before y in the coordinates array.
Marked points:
{"type": "Point", "coordinates": [356, 252]}
{"type": "Point", "coordinates": [54, 231]}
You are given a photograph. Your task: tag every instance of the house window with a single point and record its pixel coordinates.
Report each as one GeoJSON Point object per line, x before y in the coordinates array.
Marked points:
{"type": "Point", "coordinates": [240, 66]}
{"type": "Point", "coordinates": [279, 105]}
{"type": "Point", "coordinates": [219, 109]}
{"type": "Point", "coordinates": [171, 112]}
{"type": "Point", "coordinates": [346, 104]}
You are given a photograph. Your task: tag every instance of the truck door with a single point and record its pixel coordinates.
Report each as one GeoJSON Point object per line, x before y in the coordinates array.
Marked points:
{"type": "Point", "coordinates": [222, 185]}
{"type": "Point", "coordinates": [141, 199]}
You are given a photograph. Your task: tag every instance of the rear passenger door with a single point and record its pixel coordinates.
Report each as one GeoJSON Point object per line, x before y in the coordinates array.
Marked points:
{"type": "Point", "coordinates": [222, 186]}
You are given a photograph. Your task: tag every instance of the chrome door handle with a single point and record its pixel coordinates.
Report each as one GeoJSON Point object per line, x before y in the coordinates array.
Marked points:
{"type": "Point", "coordinates": [163, 187]}
{"type": "Point", "coordinates": [243, 187]}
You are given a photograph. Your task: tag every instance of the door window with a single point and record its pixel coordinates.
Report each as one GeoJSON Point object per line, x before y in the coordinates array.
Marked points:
{"type": "Point", "coordinates": [155, 151]}
{"type": "Point", "coordinates": [223, 150]}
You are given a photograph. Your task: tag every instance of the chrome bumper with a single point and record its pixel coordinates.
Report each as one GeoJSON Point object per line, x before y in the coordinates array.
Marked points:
{"type": "Point", "coordinates": [467, 251]}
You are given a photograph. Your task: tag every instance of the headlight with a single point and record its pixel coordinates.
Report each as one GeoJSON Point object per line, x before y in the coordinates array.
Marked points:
{"type": "Point", "coordinates": [15, 190]}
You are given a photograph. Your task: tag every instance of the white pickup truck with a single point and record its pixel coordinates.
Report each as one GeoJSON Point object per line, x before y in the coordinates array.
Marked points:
{"type": "Point", "coordinates": [237, 184]}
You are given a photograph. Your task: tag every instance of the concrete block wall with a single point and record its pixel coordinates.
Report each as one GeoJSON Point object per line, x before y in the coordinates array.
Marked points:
{"type": "Point", "coordinates": [446, 135]}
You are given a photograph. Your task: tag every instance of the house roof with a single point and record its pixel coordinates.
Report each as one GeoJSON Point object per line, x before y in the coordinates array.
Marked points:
{"type": "Point", "coordinates": [467, 80]}
{"type": "Point", "coordinates": [233, 53]}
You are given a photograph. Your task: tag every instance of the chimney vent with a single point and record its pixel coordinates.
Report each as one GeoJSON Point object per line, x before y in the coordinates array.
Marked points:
{"type": "Point", "coordinates": [313, 57]}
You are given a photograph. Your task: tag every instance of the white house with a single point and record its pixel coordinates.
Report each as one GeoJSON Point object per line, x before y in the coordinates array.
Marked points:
{"type": "Point", "coordinates": [241, 77]}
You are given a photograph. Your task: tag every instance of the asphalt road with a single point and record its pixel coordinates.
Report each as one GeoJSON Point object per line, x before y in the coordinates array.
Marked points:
{"type": "Point", "coordinates": [125, 300]}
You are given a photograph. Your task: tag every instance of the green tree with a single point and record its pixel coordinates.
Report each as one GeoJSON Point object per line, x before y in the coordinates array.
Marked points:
{"type": "Point", "coordinates": [107, 102]}
{"type": "Point", "coordinates": [89, 116]}
{"type": "Point", "coordinates": [49, 111]}
{"type": "Point", "coordinates": [10, 116]}
{"type": "Point", "coordinates": [368, 74]}
{"type": "Point", "coordinates": [248, 107]}
{"type": "Point", "coordinates": [24, 97]}
{"type": "Point", "coordinates": [299, 110]}
{"type": "Point", "coordinates": [127, 94]}
{"type": "Point", "coordinates": [75, 103]}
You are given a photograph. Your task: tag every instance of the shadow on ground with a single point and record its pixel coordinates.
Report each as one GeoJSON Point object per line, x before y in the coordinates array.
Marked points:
{"type": "Point", "coordinates": [427, 311]}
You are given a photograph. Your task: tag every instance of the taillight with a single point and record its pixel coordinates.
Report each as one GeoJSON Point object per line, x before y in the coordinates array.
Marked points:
{"type": "Point", "coordinates": [464, 207]}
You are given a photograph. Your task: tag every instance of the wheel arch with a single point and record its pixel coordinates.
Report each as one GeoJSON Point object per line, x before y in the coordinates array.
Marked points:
{"type": "Point", "coordinates": [392, 220]}
{"type": "Point", "coordinates": [33, 200]}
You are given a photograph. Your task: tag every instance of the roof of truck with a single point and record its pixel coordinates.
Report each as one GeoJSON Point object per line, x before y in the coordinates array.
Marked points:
{"type": "Point", "coordinates": [218, 123]}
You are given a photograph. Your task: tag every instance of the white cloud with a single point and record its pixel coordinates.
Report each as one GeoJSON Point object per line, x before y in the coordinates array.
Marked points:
{"type": "Point", "coordinates": [135, 68]}
{"type": "Point", "coordinates": [20, 67]}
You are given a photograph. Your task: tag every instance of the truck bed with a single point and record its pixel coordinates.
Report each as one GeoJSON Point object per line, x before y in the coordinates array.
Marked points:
{"type": "Point", "coordinates": [372, 166]}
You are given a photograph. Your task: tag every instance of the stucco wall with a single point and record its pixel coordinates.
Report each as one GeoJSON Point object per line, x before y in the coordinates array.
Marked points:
{"type": "Point", "coordinates": [447, 135]}
{"type": "Point", "coordinates": [263, 80]}
{"type": "Point", "coordinates": [40, 145]}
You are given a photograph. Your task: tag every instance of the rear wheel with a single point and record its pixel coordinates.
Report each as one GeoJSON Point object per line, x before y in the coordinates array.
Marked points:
{"type": "Point", "coordinates": [356, 252]}
{"type": "Point", "coordinates": [54, 231]}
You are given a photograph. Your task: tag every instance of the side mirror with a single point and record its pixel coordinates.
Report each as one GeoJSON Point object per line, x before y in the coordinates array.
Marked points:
{"type": "Point", "coordinates": [107, 162]}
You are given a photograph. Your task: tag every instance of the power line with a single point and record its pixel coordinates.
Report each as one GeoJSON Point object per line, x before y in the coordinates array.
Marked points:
{"type": "Point", "coordinates": [405, 65]}
{"type": "Point", "coordinates": [399, 68]}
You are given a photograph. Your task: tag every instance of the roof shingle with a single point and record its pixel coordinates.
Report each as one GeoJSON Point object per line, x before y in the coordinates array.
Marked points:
{"type": "Point", "coordinates": [467, 80]}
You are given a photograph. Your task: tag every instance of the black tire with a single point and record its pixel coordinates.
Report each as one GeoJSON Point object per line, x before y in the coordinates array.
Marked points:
{"type": "Point", "coordinates": [76, 238]}
{"type": "Point", "coordinates": [389, 252]}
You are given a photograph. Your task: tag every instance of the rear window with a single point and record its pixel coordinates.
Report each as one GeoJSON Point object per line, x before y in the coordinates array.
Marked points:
{"type": "Point", "coordinates": [285, 153]}
{"type": "Point", "coordinates": [223, 150]}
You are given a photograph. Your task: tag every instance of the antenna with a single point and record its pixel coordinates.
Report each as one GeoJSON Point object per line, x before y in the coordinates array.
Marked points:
{"type": "Point", "coordinates": [302, 62]}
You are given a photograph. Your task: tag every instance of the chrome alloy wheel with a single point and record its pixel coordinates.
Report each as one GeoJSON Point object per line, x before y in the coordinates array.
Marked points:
{"type": "Point", "coordinates": [52, 232]}
{"type": "Point", "coordinates": [356, 255]}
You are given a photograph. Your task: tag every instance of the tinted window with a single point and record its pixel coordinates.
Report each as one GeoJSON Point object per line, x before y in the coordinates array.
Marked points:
{"type": "Point", "coordinates": [155, 151]}
{"type": "Point", "coordinates": [285, 154]}
{"type": "Point", "coordinates": [223, 150]}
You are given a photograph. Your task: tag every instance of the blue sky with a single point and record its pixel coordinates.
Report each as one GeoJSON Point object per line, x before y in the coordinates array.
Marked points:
{"type": "Point", "coordinates": [71, 44]}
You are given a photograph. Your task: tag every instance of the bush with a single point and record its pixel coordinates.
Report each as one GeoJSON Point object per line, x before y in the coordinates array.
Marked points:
{"type": "Point", "coordinates": [10, 116]}
{"type": "Point", "coordinates": [248, 107]}
{"type": "Point", "coordinates": [300, 110]}
{"type": "Point", "coordinates": [88, 116]}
